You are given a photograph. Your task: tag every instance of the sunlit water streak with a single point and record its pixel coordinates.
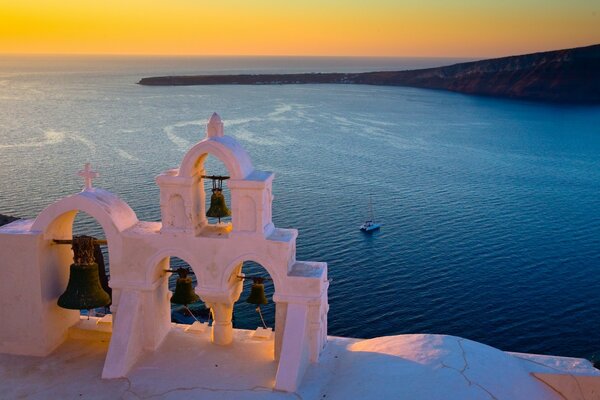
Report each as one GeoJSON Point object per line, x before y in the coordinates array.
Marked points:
{"type": "Point", "coordinates": [490, 208]}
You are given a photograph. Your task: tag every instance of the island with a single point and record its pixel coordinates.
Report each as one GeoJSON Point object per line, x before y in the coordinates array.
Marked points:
{"type": "Point", "coordinates": [563, 76]}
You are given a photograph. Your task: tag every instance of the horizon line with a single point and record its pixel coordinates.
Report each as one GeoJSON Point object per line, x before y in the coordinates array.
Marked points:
{"type": "Point", "coordinates": [228, 55]}
{"type": "Point", "coordinates": [165, 55]}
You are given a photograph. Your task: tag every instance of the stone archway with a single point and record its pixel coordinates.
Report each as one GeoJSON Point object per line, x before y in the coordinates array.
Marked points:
{"type": "Point", "coordinates": [225, 148]}
{"type": "Point", "coordinates": [157, 280]}
{"type": "Point", "coordinates": [260, 319]}
{"type": "Point", "coordinates": [56, 222]}
{"type": "Point", "coordinates": [158, 262]}
{"type": "Point", "coordinates": [197, 170]}
{"type": "Point", "coordinates": [266, 263]}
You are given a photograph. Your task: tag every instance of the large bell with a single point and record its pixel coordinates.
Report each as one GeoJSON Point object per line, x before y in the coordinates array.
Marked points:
{"type": "Point", "coordinates": [84, 290]}
{"type": "Point", "coordinates": [184, 292]}
{"type": "Point", "coordinates": [218, 207]}
{"type": "Point", "coordinates": [257, 292]}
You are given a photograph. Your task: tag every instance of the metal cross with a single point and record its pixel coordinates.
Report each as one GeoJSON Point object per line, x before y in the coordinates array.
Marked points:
{"type": "Point", "coordinates": [87, 174]}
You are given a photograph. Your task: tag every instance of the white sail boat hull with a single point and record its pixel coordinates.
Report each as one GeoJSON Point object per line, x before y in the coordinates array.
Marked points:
{"type": "Point", "coordinates": [369, 226]}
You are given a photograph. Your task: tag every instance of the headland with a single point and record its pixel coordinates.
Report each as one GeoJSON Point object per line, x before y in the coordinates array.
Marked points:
{"type": "Point", "coordinates": [561, 76]}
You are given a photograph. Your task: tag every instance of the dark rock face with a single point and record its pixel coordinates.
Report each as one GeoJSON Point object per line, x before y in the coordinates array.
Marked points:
{"type": "Point", "coordinates": [562, 76]}
{"type": "Point", "coordinates": [566, 76]}
{"type": "Point", "coordinates": [6, 219]}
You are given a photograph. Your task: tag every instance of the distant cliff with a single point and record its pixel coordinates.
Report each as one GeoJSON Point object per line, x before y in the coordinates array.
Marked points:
{"type": "Point", "coordinates": [567, 76]}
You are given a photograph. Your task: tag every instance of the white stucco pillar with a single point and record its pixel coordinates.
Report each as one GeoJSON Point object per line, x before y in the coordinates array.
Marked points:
{"type": "Point", "coordinates": [222, 329]}
{"type": "Point", "coordinates": [280, 314]}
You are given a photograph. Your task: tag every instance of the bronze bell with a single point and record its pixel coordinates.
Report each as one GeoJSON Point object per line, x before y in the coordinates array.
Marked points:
{"type": "Point", "coordinates": [84, 290]}
{"type": "Point", "coordinates": [257, 292]}
{"type": "Point", "coordinates": [218, 206]}
{"type": "Point", "coordinates": [184, 292]}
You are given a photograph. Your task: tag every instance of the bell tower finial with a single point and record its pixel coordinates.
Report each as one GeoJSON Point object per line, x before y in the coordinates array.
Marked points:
{"type": "Point", "coordinates": [87, 174]}
{"type": "Point", "coordinates": [214, 128]}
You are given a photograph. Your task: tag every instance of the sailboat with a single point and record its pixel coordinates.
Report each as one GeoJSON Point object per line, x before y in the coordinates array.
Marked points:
{"type": "Point", "coordinates": [369, 225]}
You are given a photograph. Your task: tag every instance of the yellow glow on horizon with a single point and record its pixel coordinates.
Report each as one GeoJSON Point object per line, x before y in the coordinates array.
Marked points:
{"type": "Point", "coordinates": [461, 28]}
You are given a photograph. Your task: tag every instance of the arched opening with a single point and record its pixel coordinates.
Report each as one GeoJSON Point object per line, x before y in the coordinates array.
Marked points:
{"type": "Point", "coordinates": [219, 223]}
{"type": "Point", "coordinates": [213, 166]}
{"type": "Point", "coordinates": [226, 148]}
{"type": "Point", "coordinates": [184, 313]}
{"type": "Point", "coordinates": [72, 321]}
{"type": "Point", "coordinates": [250, 313]}
{"type": "Point", "coordinates": [245, 315]}
{"type": "Point", "coordinates": [86, 225]}
{"type": "Point", "coordinates": [60, 257]}
{"type": "Point", "coordinates": [107, 216]}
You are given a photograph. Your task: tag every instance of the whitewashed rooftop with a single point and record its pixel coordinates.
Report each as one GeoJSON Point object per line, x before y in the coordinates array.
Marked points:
{"type": "Point", "coordinates": [188, 366]}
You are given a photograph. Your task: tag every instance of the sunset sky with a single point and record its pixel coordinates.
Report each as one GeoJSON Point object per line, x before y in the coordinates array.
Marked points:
{"type": "Point", "coordinates": [460, 28]}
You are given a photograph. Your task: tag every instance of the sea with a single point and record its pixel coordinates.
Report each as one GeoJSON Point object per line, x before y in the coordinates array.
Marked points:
{"type": "Point", "coordinates": [490, 208]}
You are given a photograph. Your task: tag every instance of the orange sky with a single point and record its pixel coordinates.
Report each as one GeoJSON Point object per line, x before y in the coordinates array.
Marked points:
{"type": "Point", "coordinates": [459, 28]}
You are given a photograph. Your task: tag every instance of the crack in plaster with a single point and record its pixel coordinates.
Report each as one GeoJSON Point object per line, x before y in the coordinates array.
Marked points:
{"type": "Point", "coordinates": [464, 356]}
{"type": "Point", "coordinates": [128, 390]}
{"type": "Point", "coordinates": [487, 391]}
{"type": "Point", "coordinates": [465, 367]}
{"type": "Point", "coordinates": [209, 389]}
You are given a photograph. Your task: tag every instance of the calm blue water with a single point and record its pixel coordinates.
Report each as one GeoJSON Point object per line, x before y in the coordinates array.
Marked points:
{"type": "Point", "coordinates": [491, 208]}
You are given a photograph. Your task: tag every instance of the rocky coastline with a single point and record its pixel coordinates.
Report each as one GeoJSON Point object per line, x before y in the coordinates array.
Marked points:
{"type": "Point", "coordinates": [561, 76]}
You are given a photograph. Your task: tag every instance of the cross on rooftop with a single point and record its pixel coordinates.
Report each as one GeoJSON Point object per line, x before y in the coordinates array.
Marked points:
{"type": "Point", "coordinates": [87, 174]}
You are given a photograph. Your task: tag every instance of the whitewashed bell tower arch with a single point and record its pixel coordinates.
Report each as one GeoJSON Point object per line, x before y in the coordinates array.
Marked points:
{"type": "Point", "coordinates": [182, 196]}
{"type": "Point", "coordinates": [140, 251]}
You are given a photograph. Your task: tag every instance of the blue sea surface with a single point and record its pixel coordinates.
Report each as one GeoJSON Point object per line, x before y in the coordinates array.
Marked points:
{"type": "Point", "coordinates": [490, 207]}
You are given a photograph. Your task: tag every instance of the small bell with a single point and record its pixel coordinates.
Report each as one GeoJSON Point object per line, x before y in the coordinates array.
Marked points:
{"type": "Point", "coordinates": [84, 290]}
{"type": "Point", "coordinates": [218, 206]}
{"type": "Point", "coordinates": [184, 292]}
{"type": "Point", "coordinates": [257, 292]}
